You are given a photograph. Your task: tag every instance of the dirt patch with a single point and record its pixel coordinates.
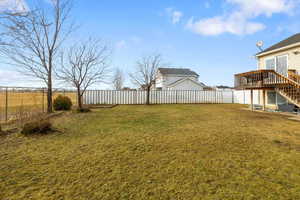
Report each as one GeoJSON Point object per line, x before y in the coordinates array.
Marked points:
{"type": "Point", "coordinates": [286, 145]}
{"type": "Point", "coordinates": [101, 106]}
{"type": "Point", "coordinates": [258, 117]}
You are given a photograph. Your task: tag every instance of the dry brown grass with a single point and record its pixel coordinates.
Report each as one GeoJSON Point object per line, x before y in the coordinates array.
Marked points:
{"type": "Point", "coordinates": [156, 152]}
{"type": "Point", "coordinates": [26, 100]}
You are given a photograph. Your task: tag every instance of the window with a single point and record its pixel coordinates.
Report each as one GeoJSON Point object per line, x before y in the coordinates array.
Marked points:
{"type": "Point", "coordinates": [278, 63]}
{"type": "Point", "coordinates": [271, 97]}
{"type": "Point", "coordinates": [280, 100]}
{"type": "Point", "coordinates": [282, 64]}
{"type": "Point", "coordinates": [275, 99]}
{"type": "Point", "coordinates": [270, 63]}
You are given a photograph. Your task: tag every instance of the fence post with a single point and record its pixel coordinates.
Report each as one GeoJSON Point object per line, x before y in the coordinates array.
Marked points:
{"type": "Point", "coordinates": [215, 96]}
{"type": "Point", "coordinates": [113, 97]}
{"type": "Point", "coordinates": [6, 104]}
{"type": "Point", "coordinates": [43, 99]}
{"type": "Point", "coordinates": [232, 97]}
{"type": "Point", "coordinates": [222, 93]}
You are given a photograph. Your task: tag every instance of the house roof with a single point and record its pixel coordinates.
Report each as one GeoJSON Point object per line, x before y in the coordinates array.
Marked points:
{"type": "Point", "coordinates": [284, 43]}
{"type": "Point", "coordinates": [184, 79]}
{"type": "Point", "coordinates": [223, 87]}
{"type": "Point", "coordinates": [177, 71]}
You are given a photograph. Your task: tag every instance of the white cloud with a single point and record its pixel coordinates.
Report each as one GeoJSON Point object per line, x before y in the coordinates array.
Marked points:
{"type": "Point", "coordinates": [15, 78]}
{"type": "Point", "coordinates": [13, 5]}
{"type": "Point", "coordinates": [220, 25]}
{"type": "Point", "coordinates": [240, 20]}
{"type": "Point", "coordinates": [7, 76]}
{"type": "Point", "coordinates": [175, 15]}
{"type": "Point", "coordinates": [253, 8]}
{"type": "Point", "coordinates": [136, 39]}
{"type": "Point", "coordinates": [121, 44]}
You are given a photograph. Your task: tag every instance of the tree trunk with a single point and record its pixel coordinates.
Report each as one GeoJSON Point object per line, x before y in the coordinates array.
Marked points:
{"type": "Point", "coordinates": [79, 99]}
{"type": "Point", "coordinates": [49, 94]}
{"type": "Point", "coordinates": [148, 95]}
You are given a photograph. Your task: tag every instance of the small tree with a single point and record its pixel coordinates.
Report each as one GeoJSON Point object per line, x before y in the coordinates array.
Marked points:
{"type": "Point", "coordinates": [118, 79]}
{"type": "Point", "coordinates": [145, 73]}
{"type": "Point", "coordinates": [31, 40]}
{"type": "Point", "coordinates": [85, 64]}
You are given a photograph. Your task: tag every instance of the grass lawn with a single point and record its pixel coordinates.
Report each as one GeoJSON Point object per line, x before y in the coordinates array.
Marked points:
{"type": "Point", "coordinates": [156, 152]}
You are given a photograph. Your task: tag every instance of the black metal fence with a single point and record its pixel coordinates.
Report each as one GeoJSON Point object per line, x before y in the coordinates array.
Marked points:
{"type": "Point", "coordinates": [17, 100]}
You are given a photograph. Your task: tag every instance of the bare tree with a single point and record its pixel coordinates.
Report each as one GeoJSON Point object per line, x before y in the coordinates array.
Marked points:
{"type": "Point", "coordinates": [145, 73]}
{"type": "Point", "coordinates": [118, 79]}
{"type": "Point", "coordinates": [31, 40]}
{"type": "Point", "coordinates": [85, 64]}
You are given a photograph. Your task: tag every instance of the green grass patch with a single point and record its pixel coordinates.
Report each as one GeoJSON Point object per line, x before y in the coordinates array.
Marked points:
{"type": "Point", "coordinates": [156, 152]}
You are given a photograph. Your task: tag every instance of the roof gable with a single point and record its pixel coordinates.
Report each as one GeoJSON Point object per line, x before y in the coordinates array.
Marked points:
{"type": "Point", "coordinates": [185, 79]}
{"type": "Point", "coordinates": [284, 43]}
{"type": "Point", "coordinates": [177, 71]}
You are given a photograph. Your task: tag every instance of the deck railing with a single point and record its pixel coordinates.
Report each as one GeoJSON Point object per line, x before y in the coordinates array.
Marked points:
{"type": "Point", "coordinates": [295, 77]}
{"type": "Point", "coordinates": [269, 79]}
{"type": "Point", "coordinates": [261, 79]}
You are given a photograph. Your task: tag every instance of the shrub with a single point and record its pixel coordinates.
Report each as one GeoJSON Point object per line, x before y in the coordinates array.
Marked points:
{"type": "Point", "coordinates": [27, 114]}
{"type": "Point", "coordinates": [1, 130]}
{"type": "Point", "coordinates": [35, 127]}
{"type": "Point", "coordinates": [62, 103]}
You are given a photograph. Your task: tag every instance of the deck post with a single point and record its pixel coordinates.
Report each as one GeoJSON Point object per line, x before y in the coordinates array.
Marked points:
{"type": "Point", "coordinates": [252, 107]}
{"type": "Point", "coordinates": [264, 100]}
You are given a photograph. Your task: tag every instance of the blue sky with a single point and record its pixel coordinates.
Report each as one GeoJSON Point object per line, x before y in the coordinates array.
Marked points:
{"type": "Point", "coordinates": [215, 38]}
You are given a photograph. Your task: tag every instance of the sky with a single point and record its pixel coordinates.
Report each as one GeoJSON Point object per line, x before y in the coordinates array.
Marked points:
{"type": "Point", "coordinates": [215, 38]}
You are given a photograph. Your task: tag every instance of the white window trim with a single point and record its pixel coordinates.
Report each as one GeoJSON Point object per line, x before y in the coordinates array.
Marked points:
{"type": "Point", "coordinates": [287, 59]}
{"type": "Point", "coordinates": [275, 59]}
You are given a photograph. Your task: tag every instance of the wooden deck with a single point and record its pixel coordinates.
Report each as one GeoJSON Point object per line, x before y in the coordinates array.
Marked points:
{"type": "Point", "coordinates": [289, 87]}
{"type": "Point", "coordinates": [263, 79]}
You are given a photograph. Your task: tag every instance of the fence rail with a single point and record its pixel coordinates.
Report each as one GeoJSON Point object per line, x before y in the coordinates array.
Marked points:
{"type": "Point", "coordinates": [157, 97]}
{"type": "Point", "coordinates": [14, 100]}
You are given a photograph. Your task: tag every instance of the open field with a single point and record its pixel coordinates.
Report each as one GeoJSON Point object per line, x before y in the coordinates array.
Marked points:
{"type": "Point", "coordinates": [156, 152]}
